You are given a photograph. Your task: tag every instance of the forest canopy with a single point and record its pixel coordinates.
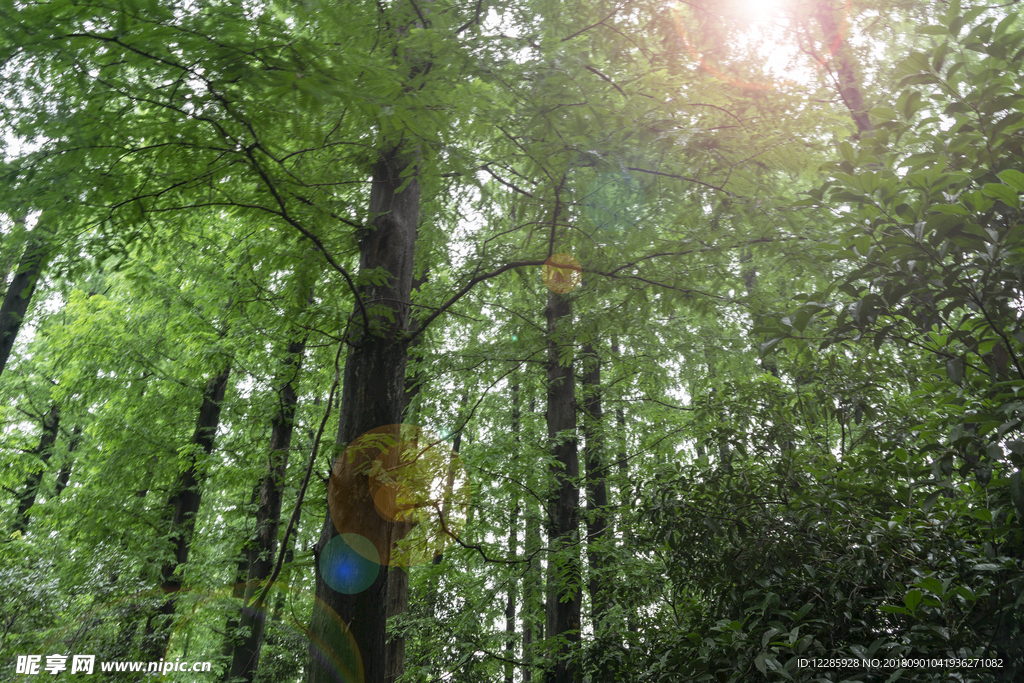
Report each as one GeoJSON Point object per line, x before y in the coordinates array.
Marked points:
{"type": "Point", "coordinates": [414, 341]}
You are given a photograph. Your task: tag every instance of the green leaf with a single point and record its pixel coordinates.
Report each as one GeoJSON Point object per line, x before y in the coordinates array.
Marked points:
{"type": "Point", "coordinates": [932, 584]}
{"type": "Point", "coordinates": [1013, 178]}
{"type": "Point", "coordinates": [1007, 195]}
{"type": "Point", "coordinates": [930, 501]}
{"type": "Point", "coordinates": [912, 599]}
{"type": "Point", "coordinates": [955, 370]}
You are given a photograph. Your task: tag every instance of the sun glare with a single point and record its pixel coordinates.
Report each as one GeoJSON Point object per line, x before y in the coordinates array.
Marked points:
{"type": "Point", "coordinates": [759, 8]}
{"type": "Point", "coordinates": [748, 43]}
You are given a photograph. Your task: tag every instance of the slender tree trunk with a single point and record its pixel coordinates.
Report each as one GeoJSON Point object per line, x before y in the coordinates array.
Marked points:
{"type": "Point", "coordinates": [373, 395]}
{"type": "Point", "coordinates": [623, 458]}
{"type": "Point", "coordinates": [625, 484]}
{"type": "Point", "coordinates": [432, 589]}
{"type": "Point", "coordinates": [511, 596]}
{"type": "Point", "coordinates": [414, 384]}
{"type": "Point", "coordinates": [184, 502]}
{"type": "Point", "coordinates": [845, 67]}
{"type": "Point", "coordinates": [513, 541]}
{"type": "Point", "coordinates": [19, 294]}
{"type": "Point", "coordinates": [231, 638]}
{"type": "Point", "coordinates": [597, 488]}
{"type": "Point", "coordinates": [246, 655]}
{"type": "Point", "coordinates": [563, 595]}
{"type": "Point", "coordinates": [533, 589]}
{"type": "Point", "coordinates": [238, 586]}
{"type": "Point", "coordinates": [533, 624]}
{"type": "Point", "coordinates": [51, 424]}
{"type": "Point", "coordinates": [64, 475]}
{"type": "Point", "coordinates": [289, 557]}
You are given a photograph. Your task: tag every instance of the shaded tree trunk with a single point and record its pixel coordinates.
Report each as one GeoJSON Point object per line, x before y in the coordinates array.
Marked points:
{"type": "Point", "coordinates": [623, 458]}
{"type": "Point", "coordinates": [373, 395]}
{"type": "Point", "coordinates": [513, 541]}
{"type": "Point", "coordinates": [231, 638]}
{"type": "Point", "coordinates": [510, 602]}
{"type": "Point", "coordinates": [51, 425]}
{"type": "Point", "coordinates": [533, 589]}
{"type": "Point", "coordinates": [19, 294]}
{"type": "Point", "coordinates": [625, 483]}
{"type": "Point", "coordinates": [184, 503]}
{"type": "Point", "coordinates": [64, 475]}
{"type": "Point", "coordinates": [252, 622]}
{"type": "Point", "coordinates": [597, 488]}
{"type": "Point", "coordinates": [432, 589]}
{"type": "Point", "coordinates": [563, 596]}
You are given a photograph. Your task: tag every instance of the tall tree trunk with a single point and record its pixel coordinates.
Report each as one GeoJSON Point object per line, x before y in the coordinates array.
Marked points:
{"type": "Point", "coordinates": [252, 622]}
{"type": "Point", "coordinates": [623, 458]}
{"type": "Point", "coordinates": [511, 596]}
{"type": "Point", "coordinates": [845, 69]}
{"type": "Point", "coordinates": [563, 595]}
{"type": "Point", "coordinates": [414, 384]}
{"type": "Point", "coordinates": [184, 501]}
{"type": "Point", "coordinates": [22, 287]}
{"type": "Point", "coordinates": [373, 395]}
{"type": "Point", "coordinates": [533, 623]}
{"type": "Point", "coordinates": [597, 488]}
{"type": "Point", "coordinates": [432, 584]}
{"type": "Point", "coordinates": [51, 424]}
{"type": "Point", "coordinates": [64, 475]}
{"type": "Point", "coordinates": [533, 588]}
{"type": "Point", "coordinates": [231, 638]}
{"type": "Point", "coordinates": [513, 541]}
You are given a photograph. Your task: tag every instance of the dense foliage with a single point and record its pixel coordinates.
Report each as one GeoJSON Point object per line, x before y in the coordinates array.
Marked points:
{"type": "Point", "coordinates": [715, 311]}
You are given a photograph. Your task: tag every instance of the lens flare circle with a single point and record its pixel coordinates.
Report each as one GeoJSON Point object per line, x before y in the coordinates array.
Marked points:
{"type": "Point", "coordinates": [561, 273]}
{"type": "Point", "coordinates": [349, 563]}
{"type": "Point", "coordinates": [403, 490]}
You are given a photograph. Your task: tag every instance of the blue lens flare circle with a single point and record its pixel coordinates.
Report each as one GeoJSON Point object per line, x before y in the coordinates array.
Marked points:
{"type": "Point", "coordinates": [349, 563]}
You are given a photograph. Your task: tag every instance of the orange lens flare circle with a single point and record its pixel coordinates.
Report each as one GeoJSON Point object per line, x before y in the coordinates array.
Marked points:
{"type": "Point", "coordinates": [842, 27]}
{"type": "Point", "coordinates": [561, 273]}
{"type": "Point", "coordinates": [402, 489]}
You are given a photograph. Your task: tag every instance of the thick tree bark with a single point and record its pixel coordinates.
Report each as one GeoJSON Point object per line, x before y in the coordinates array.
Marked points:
{"type": "Point", "coordinates": [184, 503]}
{"type": "Point", "coordinates": [246, 655]}
{"type": "Point", "coordinates": [845, 69]}
{"type": "Point", "coordinates": [563, 595]}
{"type": "Point", "coordinates": [373, 396]}
{"type": "Point", "coordinates": [22, 287]}
{"type": "Point", "coordinates": [51, 424]}
{"type": "Point", "coordinates": [597, 488]}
